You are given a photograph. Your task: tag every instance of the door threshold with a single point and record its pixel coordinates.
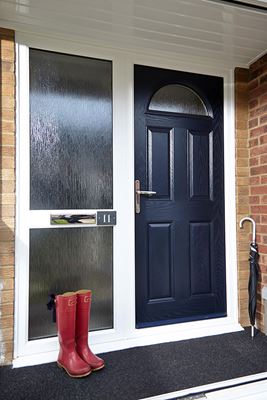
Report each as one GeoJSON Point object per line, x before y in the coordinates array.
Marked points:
{"type": "Point", "coordinates": [212, 387]}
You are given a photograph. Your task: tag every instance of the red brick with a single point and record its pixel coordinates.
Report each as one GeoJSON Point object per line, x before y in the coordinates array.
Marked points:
{"type": "Point", "coordinates": [263, 268]}
{"type": "Point", "coordinates": [262, 89]}
{"type": "Point", "coordinates": [263, 120]}
{"type": "Point", "coordinates": [256, 73]}
{"type": "Point", "coordinates": [263, 79]}
{"type": "Point", "coordinates": [253, 142]}
{"type": "Point", "coordinates": [254, 161]}
{"type": "Point", "coordinates": [258, 150]}
{"type": "Point", "coordinates": [262, 169]}
{"type": "Point", "coordinates": [262, 229]}
{"type": "Point", "coordinates": [259, 209]}
{"type": "Point", "coordinates": [253, 103]}
{"type": "Point", "coordinates": [257, 218]}
{"type": "Point", "coordinates": [263, 179]}
{"type": "Point", "coordinates": [262, 249]}
{"type": "Point", "coordinates": [255, 180]}
{"type": "Point", "coordinates": [263, 159]}
{"type": "Point", "coordinates": [253, 85]}
{"type": "Point", "coordinates": [258, 112]}
{"type": "Point", "coordinates": [253, 123]}
{"type": "Point", "coordinates": [263, 99]}
{"type": "Point", "coordinates": [262, 189]}
{"type": "Point", "coordinates": [258, 63]}
{"type": "Point", "coordinates": [263, 139]}
{"type": "Point", "coordinates": [259, 239]}
{"type": "Point", "coordinates": [254, 199]}
{"type": "Point", "coordinates": [258, 131]}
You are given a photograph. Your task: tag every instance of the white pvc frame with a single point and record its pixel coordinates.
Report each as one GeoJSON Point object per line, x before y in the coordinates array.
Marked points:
{"type": "Point", "coordinates": [124, 334]}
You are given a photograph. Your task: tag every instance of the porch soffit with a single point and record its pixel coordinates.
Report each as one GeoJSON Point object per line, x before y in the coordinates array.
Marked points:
{"type": "Point", "coordinates": [210, 31]}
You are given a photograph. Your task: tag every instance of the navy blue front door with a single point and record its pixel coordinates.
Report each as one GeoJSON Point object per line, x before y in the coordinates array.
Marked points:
{"type": "Point", "coordinates": [180, 249]}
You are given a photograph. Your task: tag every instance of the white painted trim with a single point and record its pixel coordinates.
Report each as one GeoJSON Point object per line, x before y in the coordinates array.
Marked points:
{"type": "Point", "coordinates": [254, 390]}
{"type": "Point", "coordinates": [124, 334]}
{"type": "Point", "coordinates": [22, 187]}
{"type": "Point", "coordinates": [123, 184]}
{"type": "Point", "coordinates": [214, 386]}
{"type": "Point", "coordinates": [230, 198]}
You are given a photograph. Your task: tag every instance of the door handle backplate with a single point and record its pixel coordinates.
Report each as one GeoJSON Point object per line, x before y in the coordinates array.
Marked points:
{"type": "Point", "coordinates": [138, 193]}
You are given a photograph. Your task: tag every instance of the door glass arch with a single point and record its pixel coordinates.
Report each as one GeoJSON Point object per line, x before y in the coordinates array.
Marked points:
{"type": "Point", "coordinates": [180, 99]}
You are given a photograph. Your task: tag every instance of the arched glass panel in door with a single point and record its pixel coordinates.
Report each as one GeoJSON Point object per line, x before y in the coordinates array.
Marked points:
{"type": "Point", "coordinates": [177, 99]}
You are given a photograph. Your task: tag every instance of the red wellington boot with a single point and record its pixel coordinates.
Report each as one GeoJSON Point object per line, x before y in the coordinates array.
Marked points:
{"type": "Point", "coordinates": [82, 326]}
{"type": "Point", "coordinates": [66, 317]}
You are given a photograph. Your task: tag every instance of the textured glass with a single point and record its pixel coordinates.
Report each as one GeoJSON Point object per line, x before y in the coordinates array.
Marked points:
{"type": "Point", "coordinates": [69, 259]}
{"type": "Point", "coordinates": [71, 131]}
{"type": "Point", "coordinates": [177, 99]}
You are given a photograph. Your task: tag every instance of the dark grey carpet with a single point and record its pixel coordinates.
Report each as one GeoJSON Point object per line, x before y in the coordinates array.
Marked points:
{"type": "Point", "coordinates": [144, 371]}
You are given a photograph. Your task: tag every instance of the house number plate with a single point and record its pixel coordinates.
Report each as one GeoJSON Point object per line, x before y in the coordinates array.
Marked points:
{"type": "Point", "coordinates": [104, 218]}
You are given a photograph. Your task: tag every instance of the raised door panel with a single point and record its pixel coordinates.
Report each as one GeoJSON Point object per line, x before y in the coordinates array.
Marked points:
{"type": "Point", "coordinates": [160, 147]}
{"type": "Point", "coordinates": [200, 164]}
{"type": "Point", "coordinates": [160, 262]}
{"type": "Point", "coordinates": [200, 258]}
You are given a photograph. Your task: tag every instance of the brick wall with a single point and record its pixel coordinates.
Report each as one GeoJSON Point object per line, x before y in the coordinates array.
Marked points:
{"type": "Point", "coordinates": [251, 174]}
{"type": "Point", "coordinates": [257, 92]}
{"type": "Point", "coordinates": [242, 188]}
{"type": "Point", "coordinates": [7, 192]}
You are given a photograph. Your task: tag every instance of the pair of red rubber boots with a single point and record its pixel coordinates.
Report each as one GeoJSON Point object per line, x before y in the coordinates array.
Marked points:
{"type": "Point", "coordinates": [73, 314]}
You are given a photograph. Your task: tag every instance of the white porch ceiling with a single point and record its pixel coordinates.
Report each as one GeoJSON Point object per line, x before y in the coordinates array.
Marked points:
{"type": "Point", "coordinates": [202, 29]}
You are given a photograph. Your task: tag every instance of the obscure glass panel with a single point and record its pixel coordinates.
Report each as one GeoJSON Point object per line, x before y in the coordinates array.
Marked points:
{"type": "Point", "coordinates": [177, 99]}
{"type": "Point", "coordinates": [70, 131]}
{"type": "Point", "coordinates": [69, 259]}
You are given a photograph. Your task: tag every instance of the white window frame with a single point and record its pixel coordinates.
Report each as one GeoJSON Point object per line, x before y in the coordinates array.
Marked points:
{"type": "Point", "coordinates": [124, 334]}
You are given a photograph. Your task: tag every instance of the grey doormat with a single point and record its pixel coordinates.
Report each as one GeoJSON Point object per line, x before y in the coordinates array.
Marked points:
{"type": "Point", "coordinates": [141, 372]}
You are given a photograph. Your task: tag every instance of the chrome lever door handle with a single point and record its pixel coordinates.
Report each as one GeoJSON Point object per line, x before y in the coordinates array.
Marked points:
{"type": "Point", "coordinates": [146, 192]}
{"type": "Point", "coordinates": [138, 193]}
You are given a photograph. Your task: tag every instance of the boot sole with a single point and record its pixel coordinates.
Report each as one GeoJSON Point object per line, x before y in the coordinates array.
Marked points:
{"type": "Point", "coordinates": [98, 369]}
{"type": "Point", "coordinates": [73, 376]}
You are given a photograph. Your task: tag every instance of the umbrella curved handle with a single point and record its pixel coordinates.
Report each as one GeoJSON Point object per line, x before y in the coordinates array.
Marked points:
{"type": "Point", "coordinates": [253, 227]}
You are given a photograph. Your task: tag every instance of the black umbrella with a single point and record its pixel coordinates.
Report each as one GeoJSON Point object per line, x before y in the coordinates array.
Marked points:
{"type": "Point", "coordinates": [253, 274]}
{"type": "Point", "coordinates": [252, 284]}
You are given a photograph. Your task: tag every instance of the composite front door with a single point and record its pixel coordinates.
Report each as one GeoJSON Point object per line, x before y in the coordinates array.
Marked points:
{"type": "Point", "coordinates": [180, 248]}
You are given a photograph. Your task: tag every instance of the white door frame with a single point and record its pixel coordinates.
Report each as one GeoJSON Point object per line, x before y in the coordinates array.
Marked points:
{"type": "Point", "coordinates": [124, 334]}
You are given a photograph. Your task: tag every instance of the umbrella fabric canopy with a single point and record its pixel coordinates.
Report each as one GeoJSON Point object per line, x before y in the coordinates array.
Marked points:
{"type": "Point", "coordinates": [252, 285]}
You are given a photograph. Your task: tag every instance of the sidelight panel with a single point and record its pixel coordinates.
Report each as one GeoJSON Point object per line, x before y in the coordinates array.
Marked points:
{"type": "Point", "coordinates": [69, 259]}
{"type": "Point", "coordinates": [70, 132]}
